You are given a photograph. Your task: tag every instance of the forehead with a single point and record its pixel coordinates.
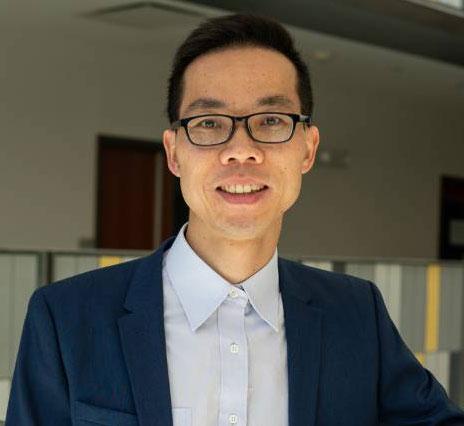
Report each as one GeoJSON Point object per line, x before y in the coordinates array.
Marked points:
{"type": "Point", "coordinates": [239, 77]}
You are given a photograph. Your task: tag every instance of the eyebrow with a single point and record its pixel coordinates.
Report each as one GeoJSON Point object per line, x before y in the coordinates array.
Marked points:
{"type": "Point", "coordinates": [275, 100]}
{"type": "Point", "coordinates": [204, 103]}
{"type": "Point", "coordinates": [211, 103]}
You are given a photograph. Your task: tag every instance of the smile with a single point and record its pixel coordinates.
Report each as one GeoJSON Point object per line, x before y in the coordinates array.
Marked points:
{"type": "Point", "coordinates": [242, 189]}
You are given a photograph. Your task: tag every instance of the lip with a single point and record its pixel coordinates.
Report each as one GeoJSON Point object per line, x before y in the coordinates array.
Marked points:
{"type": "Point", "coordinates": [251, 198]}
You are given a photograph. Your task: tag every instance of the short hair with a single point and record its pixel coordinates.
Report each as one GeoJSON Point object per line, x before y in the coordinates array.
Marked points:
{"type": "Point", "coordinates": [232, 31]}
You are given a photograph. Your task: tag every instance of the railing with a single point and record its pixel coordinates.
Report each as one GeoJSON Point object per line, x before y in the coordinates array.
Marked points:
{"type": "Point", "coordinates": [425, 300]}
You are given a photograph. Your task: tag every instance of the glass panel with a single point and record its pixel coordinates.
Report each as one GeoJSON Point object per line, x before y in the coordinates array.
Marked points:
{"type": "Point", "coordinates": [452, 5]}
{"type": "Point", "coordinates": [209, 129]}
{"type": "Point", "coordinates": [458, 4]}
{"type": "Point", "coordinates": [271, 127]}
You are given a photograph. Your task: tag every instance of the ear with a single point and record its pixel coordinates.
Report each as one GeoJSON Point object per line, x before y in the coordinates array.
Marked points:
{"type": "Point", "coordinates": [169, 143]}
{"type": "Point", "coordinates": [312, 142]}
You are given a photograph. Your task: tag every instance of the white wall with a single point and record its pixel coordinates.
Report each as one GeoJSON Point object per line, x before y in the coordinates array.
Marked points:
{"type": "Point", "coordinates": [59, 91]}
{"type": "Point", "coordinates": [400, 117]}
{"type": "Point", "coordinates": [387, 202]}
{"type": "Point", "coordinates": [57, 94]}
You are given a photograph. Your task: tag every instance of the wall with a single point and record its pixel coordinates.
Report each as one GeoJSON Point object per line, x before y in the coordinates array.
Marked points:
{"type": "Point", "coordinates": [57, 95]}
{"type": "Point", "coordinates": [400, 119]}
{"type": "Point", "coordinates": [58, 91]}
{"type": "Point", "coordinates": [386, 203]}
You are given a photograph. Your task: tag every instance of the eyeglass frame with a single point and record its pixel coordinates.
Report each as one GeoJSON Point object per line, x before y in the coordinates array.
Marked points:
{"type": "Point", "coordinates": [297, 118]}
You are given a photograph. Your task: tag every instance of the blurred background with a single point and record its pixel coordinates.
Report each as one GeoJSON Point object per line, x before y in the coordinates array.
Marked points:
{"type": "Point", "coordinates": [83, 180]}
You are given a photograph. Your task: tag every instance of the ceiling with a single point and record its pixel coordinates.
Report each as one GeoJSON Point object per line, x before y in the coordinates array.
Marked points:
{"type": "Point", "coordinates": [402, 25]}
{"type": "Point", "coordinates": [343, 60]}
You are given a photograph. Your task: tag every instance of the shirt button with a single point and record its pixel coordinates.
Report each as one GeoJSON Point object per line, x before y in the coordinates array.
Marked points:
{"type": "Point", "coordinates": [233, 419]}
{"type": "Point", "coordinates": [234, 348]}
{"type": "Point", "coordinates": [233, 293]}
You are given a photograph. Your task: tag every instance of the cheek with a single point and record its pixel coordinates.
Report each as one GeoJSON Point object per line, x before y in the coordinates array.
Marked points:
{"type": "Point", "coordinates": [193, 181]}
{"type": "Point", "coordinates": [189, 186]}
{"type": "Point", "coordinates": [291, 183]}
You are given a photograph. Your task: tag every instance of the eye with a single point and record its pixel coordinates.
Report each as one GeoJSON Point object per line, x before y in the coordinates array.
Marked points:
{"type": "Point", "coordinates": [208, 123]}
{"type": "Point", "coordinates": [271, 120]}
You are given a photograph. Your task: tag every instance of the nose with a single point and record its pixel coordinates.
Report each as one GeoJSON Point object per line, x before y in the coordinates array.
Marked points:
{"type": "Point", "coordinates": [241, 148]}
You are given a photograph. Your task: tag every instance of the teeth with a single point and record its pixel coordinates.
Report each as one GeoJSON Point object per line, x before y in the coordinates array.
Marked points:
{"type": "Point", "coordinates": [242, 189]}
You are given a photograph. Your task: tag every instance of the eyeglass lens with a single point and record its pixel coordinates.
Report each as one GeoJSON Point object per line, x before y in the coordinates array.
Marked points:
{"type": "Point", "coordinates": [215, 129]}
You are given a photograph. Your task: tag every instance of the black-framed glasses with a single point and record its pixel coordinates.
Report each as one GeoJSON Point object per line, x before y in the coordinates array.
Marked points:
{"type": "Point", "coordinates": [264, 127]}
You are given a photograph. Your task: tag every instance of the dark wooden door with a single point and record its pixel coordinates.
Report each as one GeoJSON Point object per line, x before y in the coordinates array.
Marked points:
{"type": "Point", "coordinates": [135, 198]}
{"type": "Point", "coordinates": [452, 218]}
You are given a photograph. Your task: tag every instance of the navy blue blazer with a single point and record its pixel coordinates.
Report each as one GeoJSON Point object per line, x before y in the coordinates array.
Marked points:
{"type": "Point", "coordinates": [93, 352]}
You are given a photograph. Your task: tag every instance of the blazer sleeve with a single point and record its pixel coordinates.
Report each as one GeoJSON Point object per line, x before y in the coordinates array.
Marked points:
{"type": "Point", "coordinates": [39, 392]}
{"type": "Point", "coordinates": [408, 393]}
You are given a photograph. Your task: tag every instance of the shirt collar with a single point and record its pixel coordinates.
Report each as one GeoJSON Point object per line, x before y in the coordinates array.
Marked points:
{"type": "Point", "coordinates": [201, 290]}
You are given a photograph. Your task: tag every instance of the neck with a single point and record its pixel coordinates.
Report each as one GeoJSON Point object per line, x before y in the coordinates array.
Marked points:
{"type": "Point", "coordinates": [232, 258]}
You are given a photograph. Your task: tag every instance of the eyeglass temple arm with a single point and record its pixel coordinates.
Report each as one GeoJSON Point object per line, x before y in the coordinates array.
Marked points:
{"type": "Point", "coordinates": [306, 119]}
{"type": "Point", "coordinates": [176, 124]}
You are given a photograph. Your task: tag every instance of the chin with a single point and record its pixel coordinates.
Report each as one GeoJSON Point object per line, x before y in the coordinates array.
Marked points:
{"type": "Point", "coordinates": [244, 228]}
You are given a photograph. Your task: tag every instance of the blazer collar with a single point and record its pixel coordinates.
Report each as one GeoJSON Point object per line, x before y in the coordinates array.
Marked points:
{"type": "Point", "coordinates": [145, 290]}
{"type": "Point", "coordinates": [143, 341]}
{"type": "Point", "coordinates": [293, 280]}
{"type": "Point", "coordinates": [143, 294]}
{"type": "Point", "coordinates": [303, 328]}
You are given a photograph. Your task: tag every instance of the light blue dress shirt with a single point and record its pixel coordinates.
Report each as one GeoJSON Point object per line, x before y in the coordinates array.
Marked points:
{"type": "Point", "coordinates": [226, 346]}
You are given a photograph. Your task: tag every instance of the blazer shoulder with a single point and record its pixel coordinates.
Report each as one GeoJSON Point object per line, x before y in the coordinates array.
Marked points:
{"type": "Point", "coordinates": [115, 275]}
{"type": "Point", "coordinates": [322, 276]}
{"type": "Point", "coordinates": [94, 297]}
{"type": "Point", "coordinates": [328, 287]}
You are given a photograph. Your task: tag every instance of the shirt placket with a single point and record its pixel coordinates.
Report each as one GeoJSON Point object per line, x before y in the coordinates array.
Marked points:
{"type": "Point", "coordinates": [234, 360]}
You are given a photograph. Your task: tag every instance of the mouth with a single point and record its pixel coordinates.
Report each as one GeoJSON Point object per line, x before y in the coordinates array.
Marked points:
{"type": "Point", "coordinates": [247, 194]}
{"type": "Point", "coordinates": [242, 189]}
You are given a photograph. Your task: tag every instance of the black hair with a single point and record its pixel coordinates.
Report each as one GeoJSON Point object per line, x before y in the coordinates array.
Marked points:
{"type": "Point", "coordinates": [231, 31]}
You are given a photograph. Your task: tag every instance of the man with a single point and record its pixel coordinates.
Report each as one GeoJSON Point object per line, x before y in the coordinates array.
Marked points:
{"type": "Point", "coordinates": [214, 328]}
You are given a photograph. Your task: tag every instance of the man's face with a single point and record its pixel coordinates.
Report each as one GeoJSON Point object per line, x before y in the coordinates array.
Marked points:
{"type": "Point", "coordinates": [240, 81]}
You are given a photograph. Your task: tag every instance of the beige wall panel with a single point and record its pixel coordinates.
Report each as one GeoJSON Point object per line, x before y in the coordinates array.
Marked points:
{"type": "Point", "coordinates": [25, 279]}
{"type": "Point", "coordinates": [6, 317]}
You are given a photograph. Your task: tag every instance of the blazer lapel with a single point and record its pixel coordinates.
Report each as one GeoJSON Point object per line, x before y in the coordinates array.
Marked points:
{"type": "Point", "coordinates": [303, 328]}
{"type": "Point", "coordinates": [143, 341]}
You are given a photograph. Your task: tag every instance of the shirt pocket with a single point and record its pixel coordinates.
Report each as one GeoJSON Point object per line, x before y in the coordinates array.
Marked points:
{"type": "Point", "coordinates": [182, 417]}
{"type": "Point", "coordinates": [88, 415]}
